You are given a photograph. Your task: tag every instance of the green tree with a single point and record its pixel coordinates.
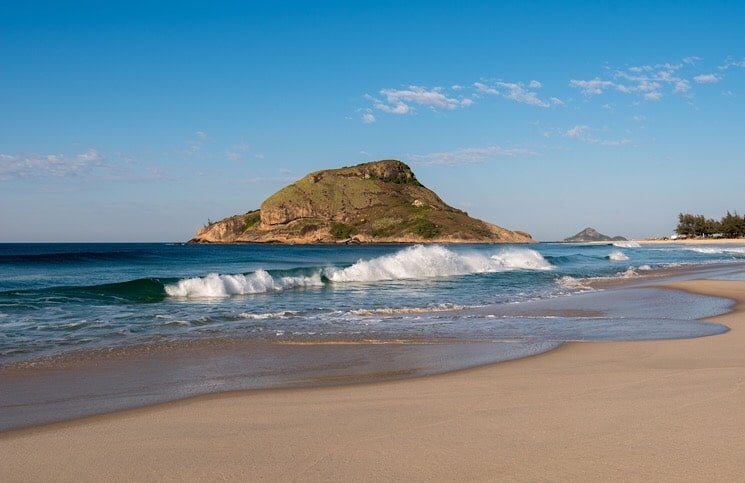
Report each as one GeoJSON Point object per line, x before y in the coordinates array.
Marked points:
{"type": "Point", "coordinates": [696, 225]}
{"type": "Point", "coordinates": [732, 226]}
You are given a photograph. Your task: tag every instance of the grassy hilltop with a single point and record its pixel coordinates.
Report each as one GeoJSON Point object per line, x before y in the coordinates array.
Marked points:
{"type": "Point", "coordinates": [378, 202]}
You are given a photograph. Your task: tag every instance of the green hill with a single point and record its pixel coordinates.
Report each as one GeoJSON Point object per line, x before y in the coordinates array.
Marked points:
{"type": "Point", "coordinates": [378, 202]}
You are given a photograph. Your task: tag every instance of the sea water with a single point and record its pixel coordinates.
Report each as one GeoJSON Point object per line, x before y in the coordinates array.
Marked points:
{"type": "Point", "coordinates": [90, 328]}
{"type": "Point", "coordinates": [56, 298]}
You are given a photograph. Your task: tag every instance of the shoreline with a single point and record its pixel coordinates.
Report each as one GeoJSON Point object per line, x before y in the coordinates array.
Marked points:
{"type": "Point", "coordinates": [692, 241]}
{"type": "Point", "coordinates": [610, 410]}
{"type": "Point", "coordinates": [48, 390]}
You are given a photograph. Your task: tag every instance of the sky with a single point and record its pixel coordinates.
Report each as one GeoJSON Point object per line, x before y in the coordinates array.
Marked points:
{"type": "Point", "coordinates": [143, 121]}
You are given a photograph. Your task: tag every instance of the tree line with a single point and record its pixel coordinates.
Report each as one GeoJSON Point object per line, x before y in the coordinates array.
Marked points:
{"type": "Point", "coordinates": [696, 226]}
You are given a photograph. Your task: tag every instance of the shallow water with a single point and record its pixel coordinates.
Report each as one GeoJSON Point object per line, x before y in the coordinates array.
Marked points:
{"type": "Point", "coordinates": [86, 329]}
{"type": "Point", "coordinates": [57, 298]}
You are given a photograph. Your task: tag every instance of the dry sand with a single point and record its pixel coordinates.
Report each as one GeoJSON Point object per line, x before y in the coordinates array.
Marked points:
{"type": "Point", "coordinates": [692, 241]}
{"type": "Point", "coordinates": [632, 411]}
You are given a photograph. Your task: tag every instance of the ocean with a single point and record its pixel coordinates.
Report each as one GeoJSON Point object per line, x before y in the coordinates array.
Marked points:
{"type": "Point", "coordinates": [205, 318]}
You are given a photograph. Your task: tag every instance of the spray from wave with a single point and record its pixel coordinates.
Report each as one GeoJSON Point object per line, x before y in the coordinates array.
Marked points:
{"type": "Point", "coordinates": [626, 244]}
{"type": "Point", "coordinates": [412, 263]}
{"type": "Point", "coordinates": [420, 262]}
{"type": "Point", "coordinates": [617, 256]}
{"type": "Point", "coordinates": [214, 285]}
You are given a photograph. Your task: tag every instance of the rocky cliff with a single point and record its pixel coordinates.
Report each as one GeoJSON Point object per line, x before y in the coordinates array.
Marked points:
{"type": "Point", "coordinates": [378, 202]}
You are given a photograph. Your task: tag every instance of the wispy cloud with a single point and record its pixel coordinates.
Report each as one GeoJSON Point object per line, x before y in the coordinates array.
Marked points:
{"type": "Point", "coordinates": [195, 144]}
{"type": "Point", "coordinates": [465, 156]}
{"type": "Point", "coordinates": [732, 63]}
{"type": "Point", "coordinates": [404, 101]}
{"type": "Point", "coordinates": [706, 79]}
{"type": "Point", "coordinates": [238, 153]}
{"type": "Point", "coordinates": [516, 92]}
{"type": "Point", "coordinates": [368, 118]}
{"type": "Point", "coordinates": [36, 165]}
{"type": "Point", "coordinates": [650, 82]}
{"type": "Point", "coordinates": [584, 133]}
{"type": "Point", "coordinates": [592, 87]}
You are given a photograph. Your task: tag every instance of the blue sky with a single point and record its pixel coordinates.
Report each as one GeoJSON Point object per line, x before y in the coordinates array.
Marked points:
{"type": "Point", "coordinates": [141, 121]}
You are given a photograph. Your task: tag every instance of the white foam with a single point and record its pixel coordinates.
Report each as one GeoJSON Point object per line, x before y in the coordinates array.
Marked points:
{"type": "Point", "coordinates": [617, 256]}
{"type": "Point", "coordinates": [718, 250]}
{"type": "Point", "coordinates": [571, 282]}
{"type": "Point", "coordinates": [420, 262]}
{"type": "Point", "coordinates": [629, 273]}
{"type": "Point", "coordinates": [215, 285]}
{"type": "Point", "coordinates": [626, 244]}
{"type": "Point", "coordinates": [269, 315]}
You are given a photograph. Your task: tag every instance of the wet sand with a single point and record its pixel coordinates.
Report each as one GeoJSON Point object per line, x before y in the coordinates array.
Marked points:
{"type": "Point", "coordinates": [650, 410]}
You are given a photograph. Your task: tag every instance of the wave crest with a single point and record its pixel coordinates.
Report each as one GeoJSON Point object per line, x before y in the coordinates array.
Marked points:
{"type": "Point", "coordinates": [718, 250]}
{"type": "Point", "coordinates": [215, 285]}
{"type": "Point", "coordinates": [626, 244]}
{"type": "Point", "coordinates": [421, 261]}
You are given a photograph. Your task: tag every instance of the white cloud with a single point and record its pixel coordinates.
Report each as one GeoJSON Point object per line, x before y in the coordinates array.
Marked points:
{"type": "Point", "coordinates": [201, 135]}
{"type": "Point", "coordinates": [706, 79]}
{"type": "Point", "coordinates": [682, 86]}
{"type": "Point", "coordinates": [465, 156]}
{"type": "Point", "coordinates": [518, 94]}
{"type": "Point", "coordinates": [43, 165]}
{"type": "Point", "coordinates": [583, 133]}
{"type": "Point", "coordinates": [401, 101]}
{"type": "Point", "coordinates": [592, 87]}
{"type": "Point", "coordinates": [91, 156]}
{"type": "Point", "coordinates": [406, 101]}
{"type": "Point", "coordinates": [482, 88]}
{"type": "Point", "coordinates": [577, 132]}
{"type": "Point", "coordinates": [732, 63]}
{"type": "Point", "coordinates": [651, 82]}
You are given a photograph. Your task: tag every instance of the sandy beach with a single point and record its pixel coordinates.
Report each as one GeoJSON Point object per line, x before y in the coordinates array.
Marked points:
{"type": "Point", "coordinates": [691, 241]}
{"type": "Point", "coordinates": [632, 411]}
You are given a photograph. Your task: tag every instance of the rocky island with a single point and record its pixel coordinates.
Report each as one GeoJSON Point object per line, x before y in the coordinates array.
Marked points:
{"type": "Point", "coordinates": [592, 235]}
{"type": "Point", "coordinates": [377, 202]}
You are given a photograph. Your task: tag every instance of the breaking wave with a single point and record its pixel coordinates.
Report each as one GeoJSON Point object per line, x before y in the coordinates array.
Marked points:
{"type": "Point", "coordinates": [718, 250]}
{"type": "Point", "coordinates": [420, 262]}
{"type": "Point", "coordinates": [412, 263]}
{"type": "Point", "coordinates": [617, 256]}
{"type": "Point", "coordinates": [215, 285]}
{"type": "Point", "coordinates": [626, 244]}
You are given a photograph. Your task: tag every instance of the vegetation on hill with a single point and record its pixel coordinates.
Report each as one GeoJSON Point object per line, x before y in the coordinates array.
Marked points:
{"type": "Point", "coordinates": [369, 203]}
{"type": "Point", "coordinates": [696, 226]}
{"type": "Point", "coordinates": [591, 235]}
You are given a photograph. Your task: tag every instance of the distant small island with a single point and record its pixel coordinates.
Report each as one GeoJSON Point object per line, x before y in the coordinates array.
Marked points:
{"type": "Point", "coordinates": [377, 202]}
{"type": "Point", "coordinates": [592, 235]}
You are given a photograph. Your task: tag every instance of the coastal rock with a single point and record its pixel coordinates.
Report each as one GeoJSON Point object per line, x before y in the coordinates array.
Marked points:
{"type": "Point", "coordinates": [378, 202]}
{"type": "Point", "coordinates": [592, 235]}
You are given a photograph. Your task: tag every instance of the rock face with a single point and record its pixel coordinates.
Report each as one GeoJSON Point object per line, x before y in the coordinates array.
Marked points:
{"type": "Point", "coordinates": [591, 235]}
{"type": "Point", "coordinates": [379, 202]}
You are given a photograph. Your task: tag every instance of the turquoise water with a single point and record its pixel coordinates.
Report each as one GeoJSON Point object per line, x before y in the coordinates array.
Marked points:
{"type": "Point", "coordinates": [91, 328]}
{"type": "Point", "coordinates": [58, 298]}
